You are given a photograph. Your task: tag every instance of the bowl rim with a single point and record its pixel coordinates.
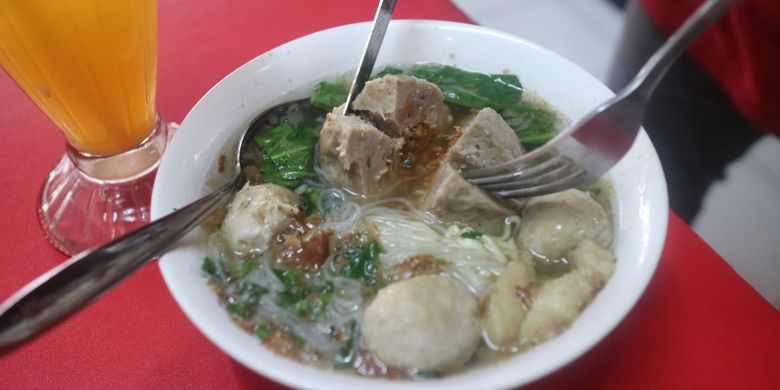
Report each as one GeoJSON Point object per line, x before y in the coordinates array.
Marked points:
{"type": "Point", "coordinates": [653, 247]}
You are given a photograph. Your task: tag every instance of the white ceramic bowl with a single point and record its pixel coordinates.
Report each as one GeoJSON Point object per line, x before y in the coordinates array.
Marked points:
{"type": "Point", "coordinates": [290, 70]}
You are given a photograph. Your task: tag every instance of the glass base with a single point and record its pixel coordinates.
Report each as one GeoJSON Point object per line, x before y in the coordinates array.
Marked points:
{"type": "Point", "coordinates": [89, 200]}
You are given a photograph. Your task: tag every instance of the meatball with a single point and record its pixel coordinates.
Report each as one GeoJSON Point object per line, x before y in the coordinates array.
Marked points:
{"type": "Point", "coordinates": [257, 215]}
{"type": "Point", "coordinates": [554, 224]}
{"type": "Point", "coordinates": [558, 302]}
{"type": "Point", "coordinates": [428, 322]}
{"type": "Point", "coordinates": [508, 302]}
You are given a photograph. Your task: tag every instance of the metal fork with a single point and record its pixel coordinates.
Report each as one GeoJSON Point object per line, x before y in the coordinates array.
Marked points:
{"type": "Point", "coordinates": [590, 147]}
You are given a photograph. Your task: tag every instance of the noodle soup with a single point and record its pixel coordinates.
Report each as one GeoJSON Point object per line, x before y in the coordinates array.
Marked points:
{"type": "Point", "coordinates": [358, 245]}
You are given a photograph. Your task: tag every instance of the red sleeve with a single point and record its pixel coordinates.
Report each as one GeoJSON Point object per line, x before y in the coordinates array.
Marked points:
{"type": "Point", "coordinates": [741, 51]}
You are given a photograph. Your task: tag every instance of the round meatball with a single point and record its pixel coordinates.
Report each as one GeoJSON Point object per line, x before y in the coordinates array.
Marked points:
{"type": "Point", "coordinates": [553, 224]}
{"type": "Point", "coordinates": [257, 215]}
{"type": "Point", "coordinates": [428, 322]}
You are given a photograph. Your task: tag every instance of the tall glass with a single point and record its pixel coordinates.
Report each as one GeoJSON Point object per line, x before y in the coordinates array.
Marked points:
{"type": "Point", "coordinates": [91, 67]}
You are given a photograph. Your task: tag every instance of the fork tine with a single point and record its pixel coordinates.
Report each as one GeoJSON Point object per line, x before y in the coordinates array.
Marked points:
{"type": "Point", "coordinates": [522, 170]}
{"type": "Point", "coordinates": [565, 169]}
{"type": "Point", "coordinates": [560, 184]}
{"type": "Point", "coordinates": [512, 165]}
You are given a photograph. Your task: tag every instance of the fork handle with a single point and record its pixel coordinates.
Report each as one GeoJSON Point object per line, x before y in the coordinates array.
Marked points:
{"type": "Point", "coordinates": [654, 69]}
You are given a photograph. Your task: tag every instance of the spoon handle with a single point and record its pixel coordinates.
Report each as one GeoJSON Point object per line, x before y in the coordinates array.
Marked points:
{"type": "Point", "coordinates": [384, 13]}
{"type": "Point", "coordinates": [88, 275]}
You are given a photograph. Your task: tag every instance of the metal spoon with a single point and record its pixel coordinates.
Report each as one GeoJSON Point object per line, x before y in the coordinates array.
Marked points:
{"type": "Point", "coordinates": [88, 275]}
{"type": "Point", "coordinates": [382, 18]}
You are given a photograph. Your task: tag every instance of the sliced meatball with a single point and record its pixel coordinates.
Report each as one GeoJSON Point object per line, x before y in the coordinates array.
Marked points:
{"type": "Point", "coordinates": [354, 154]}
{"type": "Point", "coordinates": [428, 322]}
{"type": "Point", "coordinates": [398, 103]}
{"type": "Point", "coordinates": [257, 215]}
{"type": "Point", "coordinates": [508, 302]}
{"type": "Point", "coordinates": [559, 302]}
{"type": "Point", "coordinates": [486, 140]}
{"type": "Point", "coordinates": [553, 224]}
{"type": "Point", "coordinates": [453, 199]}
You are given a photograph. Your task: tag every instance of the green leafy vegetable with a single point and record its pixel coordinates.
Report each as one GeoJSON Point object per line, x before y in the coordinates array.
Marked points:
{"type": "Point", "coordinates": [244, 301]}
{"type": "Point", "coordinates": [297, 340]}
{"type": "Point", "coordinates": [263, 331]}
{"type": "Point", "coordinates": [287, 153]}
{"type": "Point", "coordinates": [361, 262]}
{"type": "Point", "coordinates": [472, 89]}
{"type": "Point", "coordinates": [309, 198]}
{"type": "Point", "coordinates": [388, 70]}
{"type": "Point", "coordinates": [208, 266]}
{"type": "Point", "coordinates": [307, 301]}
{"type": "Point", "coordinates": [236, 268]}
{"type": "Point", "coordinates": [248, 266]}
{"type": "Point", "coordinates": [534, 126]}
{"type": "Point", "coordinates": [472, 234]}
{"type": "Point", "coordinates": [290, 278]}
{"type": "Point", "coordinates": [328, 95]}
{"type": "Point", "coordinates": [428, 374]}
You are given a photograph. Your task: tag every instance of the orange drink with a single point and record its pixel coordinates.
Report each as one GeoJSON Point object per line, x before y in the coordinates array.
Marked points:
{"type": "Point", "coordinates": [90, 65]}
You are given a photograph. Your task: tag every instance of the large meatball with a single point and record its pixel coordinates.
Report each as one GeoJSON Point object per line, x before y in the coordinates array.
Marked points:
{"type": "Point", "coordinates": [428, 322]}
{"type": "Point", "coordinates": [257, 215]}
{"type": "Point", "coordinates": [554, 224]}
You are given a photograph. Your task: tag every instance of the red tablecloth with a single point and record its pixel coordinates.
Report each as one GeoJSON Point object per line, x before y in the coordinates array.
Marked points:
{"type": "Point", "coordinates": [698, 325]}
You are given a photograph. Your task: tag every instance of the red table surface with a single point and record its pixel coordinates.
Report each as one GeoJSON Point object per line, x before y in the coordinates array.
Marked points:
{"type": "Point", "coordinates": [699, 325]}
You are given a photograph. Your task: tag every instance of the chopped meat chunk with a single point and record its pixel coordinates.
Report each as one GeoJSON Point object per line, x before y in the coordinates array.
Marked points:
{"type": "Point", "coordinates": [257, 215]}
{"type": "Point", "coordinates": [487, 140]}
{"type": "Point", "coordinates": [354, 154]}
{"type": "Point", "coordinates": [398, 103]}
{"type": "Point", "coordinates": [453, 199]}
{"type": "Point", "coordinates": [428, 322]}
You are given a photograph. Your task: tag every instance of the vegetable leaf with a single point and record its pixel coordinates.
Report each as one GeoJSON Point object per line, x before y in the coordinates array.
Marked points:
{"type": "Point", "coordinates": [263, 331]}
{"type": "Point", "coordinates": [361, 262]}
{"type": "Point", "coordinates": [427, 374]}
{"type": "Point", "coordinates": [243, 302]}
{"type": "Point", "coordinates": [291, 279]}
{"type": "Point", "coordinates": [472, 234]}
{"type": "Point", "coordinates": [248, 266]}
{"type": "Point", "coordinates": [208, 266]}
{"type": "Point", "coordinates": [309, 198]}
{"type": "Point", "coordinates": [472, 89]}
{"type": "Point", "coordinates": [534, 126]}
{"type": "Point", "coordinates": [287, 153]}
{"type": "Point", "coordinates": [305, 301]}
{"type": "Point", "coordinates": [388, 70]}
{"type": "Point", "coordinates": [328, 95]}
